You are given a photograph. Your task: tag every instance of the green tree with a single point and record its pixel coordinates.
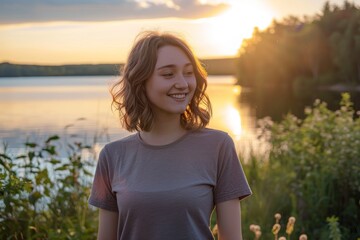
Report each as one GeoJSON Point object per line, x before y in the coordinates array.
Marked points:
{"type": "Point", "coordinates": [309, 52]}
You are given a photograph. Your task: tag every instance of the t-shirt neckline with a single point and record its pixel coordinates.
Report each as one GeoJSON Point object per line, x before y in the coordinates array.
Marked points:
{"type": "Point", "coordinates": [165, 145]}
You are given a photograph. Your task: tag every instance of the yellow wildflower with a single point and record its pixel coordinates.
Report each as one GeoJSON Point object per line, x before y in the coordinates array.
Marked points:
{"type": "Point", "coordinates": [276, 228]}
{"type": "Point", "coordinates": [290, 225]}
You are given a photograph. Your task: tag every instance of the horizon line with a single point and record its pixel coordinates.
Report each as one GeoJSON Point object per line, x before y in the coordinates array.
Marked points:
{"type": "Point", "coordinates": [111, 63]}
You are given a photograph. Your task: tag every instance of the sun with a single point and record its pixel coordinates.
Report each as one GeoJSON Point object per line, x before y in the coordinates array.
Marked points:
{"type": "Point", "coordinates": [227, 30]}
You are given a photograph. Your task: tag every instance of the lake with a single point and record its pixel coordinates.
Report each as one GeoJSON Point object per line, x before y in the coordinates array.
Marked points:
{"type": "Point", "coordinates": [36, 107]}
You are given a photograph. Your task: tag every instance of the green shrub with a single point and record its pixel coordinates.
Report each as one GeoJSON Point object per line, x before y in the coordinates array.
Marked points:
{"type": "Point", "coordinates": [44, 196]}
{"type": "Point", "coordinates": [312, 172]}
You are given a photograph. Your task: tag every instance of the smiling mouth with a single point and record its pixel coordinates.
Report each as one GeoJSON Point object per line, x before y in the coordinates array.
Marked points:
{"type": "Point", "coordinates": [178, 96]}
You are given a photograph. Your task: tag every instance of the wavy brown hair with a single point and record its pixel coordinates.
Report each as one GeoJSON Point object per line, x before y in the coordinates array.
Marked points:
{"type": "Point", "coordinates": [129, 96]}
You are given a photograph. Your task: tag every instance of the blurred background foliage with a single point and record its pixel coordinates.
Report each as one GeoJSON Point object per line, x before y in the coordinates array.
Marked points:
{"type": "Point", "coordinates": [298, 53]}
{"type": "Point", "coordinates": [311, 172]}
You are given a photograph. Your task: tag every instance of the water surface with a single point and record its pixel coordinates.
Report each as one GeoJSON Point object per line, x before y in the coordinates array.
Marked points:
{"type": "Point", "coordinates": [36, 107]}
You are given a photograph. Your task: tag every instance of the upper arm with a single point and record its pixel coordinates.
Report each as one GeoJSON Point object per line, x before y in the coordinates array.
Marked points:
{"type": "Point", "coordinates": [229, 220]}
{"type": "Point", "coordinates": [108, 222]}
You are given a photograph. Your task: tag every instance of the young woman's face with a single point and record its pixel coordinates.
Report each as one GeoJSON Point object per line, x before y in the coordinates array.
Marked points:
{"type": "Point", "coordinates": [172, 84]}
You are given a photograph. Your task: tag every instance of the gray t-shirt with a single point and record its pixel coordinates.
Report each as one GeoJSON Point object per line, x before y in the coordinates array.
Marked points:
{"type": "Point", "coordinates": [168, 192]}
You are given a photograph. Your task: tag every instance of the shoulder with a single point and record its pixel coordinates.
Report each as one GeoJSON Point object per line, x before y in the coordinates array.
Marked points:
{"type": "Point", "coordinates": [212, 134]}
{"type": "Point", "coordinates": [120, 145]}
{"type": "Point", "coordinates": [211, 137]}
{"type": "Point", "coordinates": [123, 141]}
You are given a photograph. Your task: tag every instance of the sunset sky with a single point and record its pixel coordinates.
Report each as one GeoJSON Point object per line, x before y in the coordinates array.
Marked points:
{"type": "Point", "coordinates": [102, 31]}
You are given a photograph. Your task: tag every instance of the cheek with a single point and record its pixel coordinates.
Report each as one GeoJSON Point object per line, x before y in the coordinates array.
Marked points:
{"type": "Point", "coordinates": [193, 83]}
{"type": "Point", "coordinates": [193, 87]}
{"type": "Point", "coordinates": [196, 88]}
{"type": "Point", "coordinates": [149, 94]}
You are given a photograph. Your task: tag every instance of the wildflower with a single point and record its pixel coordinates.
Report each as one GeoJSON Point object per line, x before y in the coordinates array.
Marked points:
{"type": "Point", "coordinates": [307, 110]}
{"type": "Point", "coordinates": [257, 234]}
{"type": "Point", "coordinates": [290, 225]}
{"type": "Point", "coordinates": [256, 230]}
{"type": "Point", "coordinates": [289, 229]}
{"type": "Point", "coordinates": [277, 217]}
{"type": "Point", "coordinates": [252, 227]}
{"type": "Point", "coordinates": [276, 228]}
{"type": "Point", "coordinates": [282, 238]}
{"type": "Point", "coordinates": [303, 237]}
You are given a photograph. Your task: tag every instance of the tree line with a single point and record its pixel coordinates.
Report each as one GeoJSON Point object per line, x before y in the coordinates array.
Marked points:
{"type": "Point", "coordinates": [221, 66]}
{"type": "Point", "coordinates": [304, 52]}
{"type": "Point", "coordinates": [22, 70]}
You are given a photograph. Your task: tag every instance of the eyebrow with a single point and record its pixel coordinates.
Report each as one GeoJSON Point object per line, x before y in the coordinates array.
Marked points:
{"type": "Point", "coordinates": [172, 66]}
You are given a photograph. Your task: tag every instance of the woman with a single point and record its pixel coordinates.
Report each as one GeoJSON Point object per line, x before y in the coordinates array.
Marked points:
{"type": "Point", "coordinates": [164, 181]}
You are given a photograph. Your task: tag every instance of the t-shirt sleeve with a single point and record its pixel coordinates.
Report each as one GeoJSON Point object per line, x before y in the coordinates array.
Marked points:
{"type": "Point", "coordinates": [231, 181]}
{"type": "Point", "coordinates": [102, 195]}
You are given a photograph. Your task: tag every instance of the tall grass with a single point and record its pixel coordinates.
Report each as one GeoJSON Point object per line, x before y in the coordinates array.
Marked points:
{"type": "Point", "coordinates": [311, 172]}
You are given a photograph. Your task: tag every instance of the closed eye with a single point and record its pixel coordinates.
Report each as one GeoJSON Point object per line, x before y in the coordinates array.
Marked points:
{"type": "Point", "coordinates": [167, 75]}
{"type": "Point", "coordinates": [189, 73]}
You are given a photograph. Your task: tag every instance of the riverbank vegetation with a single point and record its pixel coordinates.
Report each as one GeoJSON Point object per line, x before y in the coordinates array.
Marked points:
{"type": "Point", "coordinates": [44, 195]}
{"type": "Point", "coordinates": [301, 53]}
{"type": "Point", "coordinates": [310, 172]}
{"type": "Point", "coordinates": [27, 70]}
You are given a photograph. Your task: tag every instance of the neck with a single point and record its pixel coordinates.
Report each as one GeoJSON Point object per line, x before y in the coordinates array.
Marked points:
{"type": "Point", "coordinates": [164, 131]}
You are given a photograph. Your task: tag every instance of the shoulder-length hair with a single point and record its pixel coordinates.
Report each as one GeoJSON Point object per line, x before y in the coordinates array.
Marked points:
{"type": "Point", "coordinates": [129, 96]}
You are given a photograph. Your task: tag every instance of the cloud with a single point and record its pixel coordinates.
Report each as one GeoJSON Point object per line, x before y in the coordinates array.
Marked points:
{"type": "Point", "coordinates": [22, 11]}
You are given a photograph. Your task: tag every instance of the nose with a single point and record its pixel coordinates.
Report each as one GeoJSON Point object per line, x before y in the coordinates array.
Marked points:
{"type": "Point", "coordinates": [181, 82]}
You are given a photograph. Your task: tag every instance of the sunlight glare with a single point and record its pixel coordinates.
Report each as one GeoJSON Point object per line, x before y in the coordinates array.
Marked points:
{"type": "Point", "coordinates": [236, 90]}
{"type": "Point", "coordinates": [233, 120]}
{"type": "Point", "coordinates": [230, 28]}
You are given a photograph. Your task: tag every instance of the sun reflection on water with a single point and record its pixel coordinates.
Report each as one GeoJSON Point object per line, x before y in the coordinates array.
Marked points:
{"type": "Point", "coordinates": [233, 121]}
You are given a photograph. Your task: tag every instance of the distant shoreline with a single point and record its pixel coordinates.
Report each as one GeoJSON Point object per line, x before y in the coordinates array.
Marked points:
{"type": "Point", "coordinates": [341, 88]}
{"type": "Point", "coordinates": [223, 66]}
